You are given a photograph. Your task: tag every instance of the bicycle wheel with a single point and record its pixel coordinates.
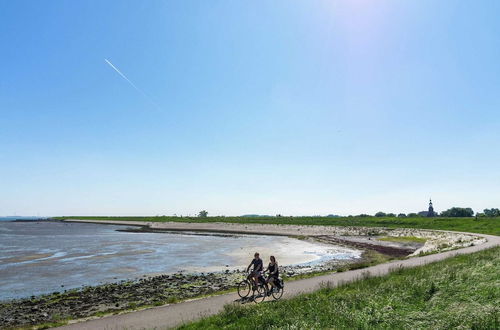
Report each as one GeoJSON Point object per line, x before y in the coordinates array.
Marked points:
{"type": "Point", "coordinates": [244, 289]}
{"type": "Point", "coordinates": [279, 294]}
{"type": "Point", "coordinates": [260, 294]}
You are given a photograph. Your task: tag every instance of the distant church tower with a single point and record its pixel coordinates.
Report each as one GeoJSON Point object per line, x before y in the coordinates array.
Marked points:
{"type": "Point", "coordinates": [431, 213]}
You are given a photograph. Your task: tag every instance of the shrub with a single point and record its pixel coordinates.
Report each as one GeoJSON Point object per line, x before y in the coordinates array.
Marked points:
{"type": "Point", "coordinates": [492, 212]}
{"type": "Point", "coordinates": [458, 212]}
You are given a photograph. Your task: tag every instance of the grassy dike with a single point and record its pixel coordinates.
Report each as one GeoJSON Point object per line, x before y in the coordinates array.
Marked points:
{"type": "Point", "coordinates": [481, 225]}
{"type": "Point", "coordinates": [460, 292]}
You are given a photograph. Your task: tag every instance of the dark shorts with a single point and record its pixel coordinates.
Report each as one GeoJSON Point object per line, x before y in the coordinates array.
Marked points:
{"type": "Point", "coordinates": [273, 276]}
{"type": "Point", "coordinates": [256, 273]}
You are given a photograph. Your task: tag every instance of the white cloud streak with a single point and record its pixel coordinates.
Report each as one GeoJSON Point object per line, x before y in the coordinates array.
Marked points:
{"type": "Point", "coordinates": [132, 84]}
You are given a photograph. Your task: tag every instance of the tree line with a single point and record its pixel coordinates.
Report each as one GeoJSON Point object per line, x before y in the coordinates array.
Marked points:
{"type": "Point", "coordinates": [454, 212]}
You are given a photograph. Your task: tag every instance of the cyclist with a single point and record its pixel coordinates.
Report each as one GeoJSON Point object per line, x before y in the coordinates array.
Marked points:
{"type": "Point", "coordinates": [272, 278]}
{"type": "Point", "coordinates": [257, 269]}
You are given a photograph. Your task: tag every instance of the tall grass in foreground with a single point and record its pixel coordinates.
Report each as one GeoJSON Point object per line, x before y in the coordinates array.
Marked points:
{"type": "Point", "coordinates": [461, 292]}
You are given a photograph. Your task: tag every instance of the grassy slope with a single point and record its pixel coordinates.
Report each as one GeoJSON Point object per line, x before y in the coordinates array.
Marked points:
{"type": "Point", "coordinates": [461, 292]}
{"type": "Point", "coordinates": [482, 225]}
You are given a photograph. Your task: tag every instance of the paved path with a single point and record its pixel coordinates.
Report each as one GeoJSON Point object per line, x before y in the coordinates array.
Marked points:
{"type": "Point", "coordinates": [173, 315]}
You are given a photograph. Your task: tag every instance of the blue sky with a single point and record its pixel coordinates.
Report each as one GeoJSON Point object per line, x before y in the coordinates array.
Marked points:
{"type": "Point", "coordinates": [291, 107]}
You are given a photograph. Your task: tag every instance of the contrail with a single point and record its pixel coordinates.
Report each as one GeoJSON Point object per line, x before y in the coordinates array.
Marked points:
{"type": "Point", "coordinates": [132, 84]}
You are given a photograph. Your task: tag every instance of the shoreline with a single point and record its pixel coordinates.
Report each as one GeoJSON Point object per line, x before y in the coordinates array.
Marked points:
{"type": "Point", "coordinates": [436, 240]}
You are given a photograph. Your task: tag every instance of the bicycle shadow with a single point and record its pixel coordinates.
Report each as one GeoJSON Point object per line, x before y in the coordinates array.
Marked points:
{"type": "Point", "coordinates": [248, 299]}
{"type": "Point", "coordinates": [245, 300]}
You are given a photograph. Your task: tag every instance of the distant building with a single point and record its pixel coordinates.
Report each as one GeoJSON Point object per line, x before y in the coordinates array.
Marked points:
{"type": "Point", "coordinates": [430, 212]}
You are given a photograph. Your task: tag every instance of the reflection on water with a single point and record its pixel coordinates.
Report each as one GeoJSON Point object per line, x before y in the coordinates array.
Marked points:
{"type": "Point", "coordinates": [53, 256]}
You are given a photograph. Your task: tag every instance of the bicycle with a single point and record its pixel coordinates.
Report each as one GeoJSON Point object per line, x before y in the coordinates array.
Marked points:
{"type": "Point", "coordinates": [246, 286]}
{"type": "Point", "coordinates": [277, 292]}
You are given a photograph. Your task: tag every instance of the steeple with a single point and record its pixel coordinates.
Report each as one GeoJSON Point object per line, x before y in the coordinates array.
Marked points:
{"type": "Point", "coordinates": [430, 213]}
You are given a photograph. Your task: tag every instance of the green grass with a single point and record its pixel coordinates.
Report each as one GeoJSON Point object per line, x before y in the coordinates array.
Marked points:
{"type": "Point", "coordinates": [481, 225]}
{"type": "Point", "coordinates": [460, 292]}
{"type": "Point", "coordinates": [403, 239]}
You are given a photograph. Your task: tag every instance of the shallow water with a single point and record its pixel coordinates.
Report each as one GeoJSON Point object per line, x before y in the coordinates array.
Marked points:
{"type": "Point", "coordinates": [43, 257]}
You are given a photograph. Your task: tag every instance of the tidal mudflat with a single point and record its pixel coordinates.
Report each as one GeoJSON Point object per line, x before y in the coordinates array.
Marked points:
{"type": "Point", "coordinates": [43, 257]}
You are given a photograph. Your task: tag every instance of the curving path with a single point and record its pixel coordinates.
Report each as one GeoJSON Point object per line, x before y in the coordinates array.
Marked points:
{"type": "Point", "coordinates": [169, 316]}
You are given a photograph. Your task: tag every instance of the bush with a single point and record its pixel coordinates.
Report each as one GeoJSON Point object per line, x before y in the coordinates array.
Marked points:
{"type": "Point", "coordinates": [492, 212]}
{"type": "Point", "coordinates": [458, 212]}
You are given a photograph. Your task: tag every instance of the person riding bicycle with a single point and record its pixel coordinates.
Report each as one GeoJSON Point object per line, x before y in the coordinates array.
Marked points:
{"type": "Point", "coordinates": [256, 270]}
{"type": "Point", "coordinates": [273, 271]}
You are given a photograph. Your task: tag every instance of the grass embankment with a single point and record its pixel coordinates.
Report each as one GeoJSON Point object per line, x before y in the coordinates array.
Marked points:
{"type": "Point", "coordinates": [481, 225]}
{"type": "Point", "coordinates": [460, 292]}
